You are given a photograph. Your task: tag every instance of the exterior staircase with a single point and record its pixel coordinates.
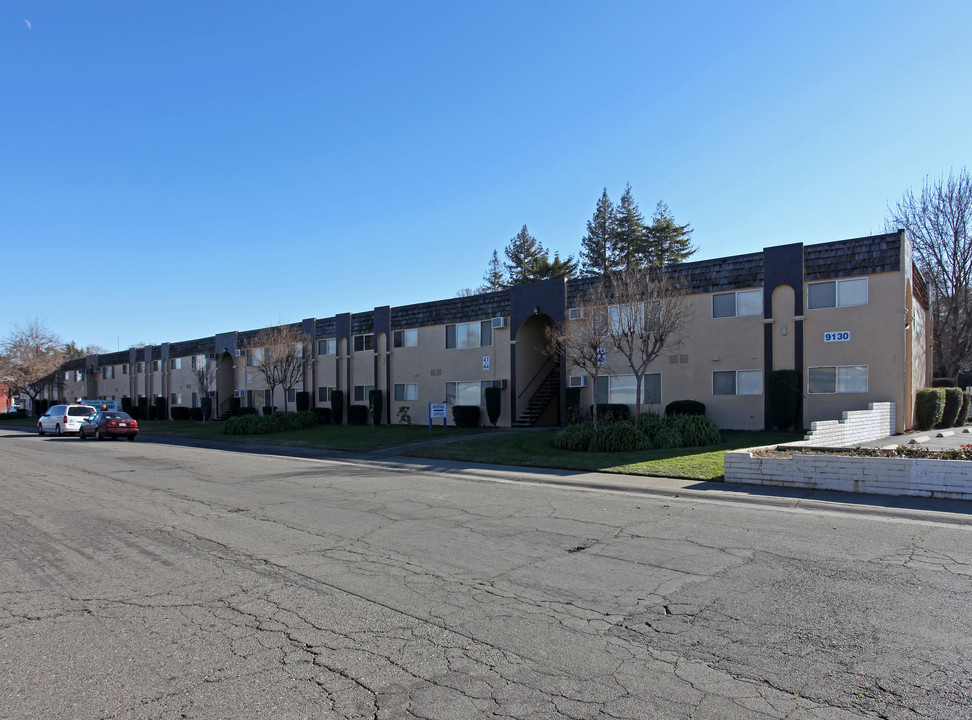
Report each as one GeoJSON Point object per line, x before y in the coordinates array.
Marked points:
{"type": "Point", "coordinates": [538, 402]}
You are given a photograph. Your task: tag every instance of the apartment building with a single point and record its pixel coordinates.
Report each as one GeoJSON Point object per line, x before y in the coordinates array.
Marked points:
{"type": "Point", "coordinates": [851, 317]}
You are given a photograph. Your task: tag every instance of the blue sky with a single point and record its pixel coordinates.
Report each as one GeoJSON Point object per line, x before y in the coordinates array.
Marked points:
{"type": "Point", "coordinates": [224, 166]}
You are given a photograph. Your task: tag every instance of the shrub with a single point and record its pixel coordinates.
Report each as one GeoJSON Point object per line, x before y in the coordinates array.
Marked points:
{"type": "Point", "coordinates": [250, 424]}
{"type": "Point", "coordinates": [143, 408]}
{"type": "Point", "coordinates": [944, 382]}
{"type": "Point", "coordinates": [234, 404]}
{"type": "Point", "coordinates": [494, 398]}
{"type": "Point", "coordinates": [572, 401]}
{"type": "Point", "coordinates": [18, 415]}
{"type": "Point", "coordinates": [608, 412]}
{"type": "Point", "coordinates": [953, 404]}
{"type": "Point", "coordinates": [303, 401]}
{"type": "Point", "coordinates": [618, 436]}
{"type": "Point", "coordinates": [206, 405]}
{"type": "Point", "coordinates": [323, 415]}
{"type": "Point", "coordinates": [668, 437]}
{"type": "Point", "coordinates": [243, 411]}
{"type": "Point", "coordinates": [160, 408]}
{"type": "Point", "coordinates": [684, 407]}
{"type": "Point", "coordinates": [929, 407]}
{"type": "Point", "coordinates": [783, 387]}
{"type": "Point", "coordinates": [180, 412]}
{"type": "Point", "coordinates": [375, 402]}
{"type": "Point", "coordinates": [268, 410]}
{"type": "Point", "coordinates": [650, 423]}
{"type": "Point", "coordinates": [695, 430]}
{"type": "Point", "coordinates": [357, 414]}
{"type": "Point", "coordinates": [574, 437]}
{"type": "Point", "coordinates": [963, 416]}
{"type": "Point", "coordinates": [465, 415]}
{"type": "Point", "coordinates": [337, 406]}
{"type": "Point", "coordinates": [126, 404]}
{"type": "Point", "coordinates": [196, 414]}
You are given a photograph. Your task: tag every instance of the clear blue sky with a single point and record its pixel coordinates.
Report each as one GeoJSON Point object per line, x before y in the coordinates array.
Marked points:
{"type": "Point", "coordinates": [228, 165]}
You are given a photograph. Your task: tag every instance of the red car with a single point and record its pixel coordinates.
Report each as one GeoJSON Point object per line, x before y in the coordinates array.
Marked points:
{"type": "Point", "coordinates": [109, 423]}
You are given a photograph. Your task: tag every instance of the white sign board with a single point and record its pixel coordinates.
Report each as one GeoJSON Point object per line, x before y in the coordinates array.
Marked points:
{"type": "Point", "coordinates": [437, 410]}
{"type": "Point", "coordinates": [837, 336]}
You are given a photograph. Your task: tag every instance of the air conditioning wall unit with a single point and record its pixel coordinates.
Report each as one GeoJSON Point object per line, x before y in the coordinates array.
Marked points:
{"type": "Point", "coordinates": [239, 393]}
{"type": "Point", "coordinates": [576, 313]}
{"type": "Point", "coordinates": [210, 356]}
{"type": "Point", "coordinates": [578, 381]}
{"type": "Point", "coordinates": [499, 322]}
{"type": "Point", "coordinates": [238, 352]}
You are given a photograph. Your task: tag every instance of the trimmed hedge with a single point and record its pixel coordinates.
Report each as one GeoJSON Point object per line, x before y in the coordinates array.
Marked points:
{"type": "Point", "coordinates": [180, 412]}
{"type": "Point", "coordinates": [243, 411]}
{"type": "Point", "coordinates": [337, 406]}
{"type": "Point", "coordinates": [196, 414]}
{"type": "Point", "coordinates": [696, 430]}
{"type": "Point", "coordinates": [684, 407]}
{"type": "Point", "coordinates": [929, 407]}
{"type": "Point", "coordinates": [206, 406]}
{"type": "Point", "coordinates": [375, 403]}
{"type": "Point", "coordinates": [953, 404]}
{"type": "Point", "coordinates": [623, 436]}
{"type": "Point", "coordinates": [323, 415]}
{"type": "Point", "coordinates": [465, 415]}
{"type": "Point", "coordinates": [493, 403]}
{"type": "Point", "coordinates": [963, 416]}
{"type": "Point", "coordinates": [303, 401]}
{"type": "Point", "coordinates": [126, 404]}
{"type": "Point", "coordinates": [620, 436]}
{"type": "Point", "coordinates": [161, 408]}
{"type": "Point", "coordinates": [944, 382]}
{"type": "Point", "coordinates": [783, 388]}
{"type": "Point", "coordinates": [266, 424]}
{"type": "Point", "coordinates": [357, 414]}
{"type": "Point", "coordinates": [234, 404]}
{"type": "Point", "coordinates": [573, 401]}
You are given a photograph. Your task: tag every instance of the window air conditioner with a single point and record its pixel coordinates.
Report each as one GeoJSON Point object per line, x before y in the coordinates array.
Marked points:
{"type": "Point", "coordinates": [239, 393]}
{"type": "Point", "coordinates": [576, 313]}
{"type": "Point", "coordinates": [499, 322]}
{"type": "Point", "coordinates": [210, 356]}
{"type": "Point", "coordinates": [578, 381]}
{"type": "Point", "coordinates": [238, 352]}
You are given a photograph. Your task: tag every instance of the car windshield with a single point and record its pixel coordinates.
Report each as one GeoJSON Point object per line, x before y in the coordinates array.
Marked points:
{"type": "Point", "coordinates": [80, 411]}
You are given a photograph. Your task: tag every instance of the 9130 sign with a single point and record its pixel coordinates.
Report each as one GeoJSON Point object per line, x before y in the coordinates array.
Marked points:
{"type": "Point", "coordinates": [839, 336]}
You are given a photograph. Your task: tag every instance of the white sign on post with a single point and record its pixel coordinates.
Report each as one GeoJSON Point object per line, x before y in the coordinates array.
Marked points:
{"type": "Point", "coordinates": [436, 411]}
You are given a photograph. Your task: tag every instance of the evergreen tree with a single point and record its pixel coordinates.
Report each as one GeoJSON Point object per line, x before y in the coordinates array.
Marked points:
{"type": "Point", "coordinates": [629, 233]}
{"type": "Point", "coordinates": [523, 253]}
{"type": "Point", "coordinates": [597, 244]}
{"type": "Point", "coordinates": [666, 242]}
{"type": "Point", "coordinates": [544, 268]}
{"type": "Point", "coordinates": [495, 278]}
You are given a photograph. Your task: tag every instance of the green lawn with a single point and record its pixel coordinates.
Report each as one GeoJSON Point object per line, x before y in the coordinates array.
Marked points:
{"type": "Point", "coordinates": [532, 449]}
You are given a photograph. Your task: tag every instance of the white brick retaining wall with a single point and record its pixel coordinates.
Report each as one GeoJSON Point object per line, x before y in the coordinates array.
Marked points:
{"type": "Point", "coordinates": [854, 427]}
{"type": "Point", "coordinates": [883, 476]}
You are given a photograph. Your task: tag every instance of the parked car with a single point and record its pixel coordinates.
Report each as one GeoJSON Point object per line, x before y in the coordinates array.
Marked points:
{"type": "Point", "coordinates": [61, 419]}
{"type": "Point", "coordinates": [109, 423]}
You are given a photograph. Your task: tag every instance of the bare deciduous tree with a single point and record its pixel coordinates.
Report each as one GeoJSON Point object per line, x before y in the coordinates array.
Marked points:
{"type": "Point", "coordinates": [205, 377]}
{"type": "Point", "coordinates": [280, 358]}
{"type": "Point", "coordinates": [29, 357]}
{"type": "Point", "coordinates": [583, 341]}
{"type": "Point", "coordinates": [647, 311]}
{"type": "Point", "coordinates": [939, 223]}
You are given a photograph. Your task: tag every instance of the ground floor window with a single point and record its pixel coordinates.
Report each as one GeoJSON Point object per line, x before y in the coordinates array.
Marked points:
{"type": "Point", "coordinates": [469, 393]}
{"type": "Point", "coordinates": [361, 392]}
{"type": "Point", "coordinates": [324, 394]}
{"type": "Point", "coordinates": [837, 379]}
{"type": "Point", "coordinates": [737, 382]}
{"type": "Point", "coordinates": [406, 391]}
{"type": "Point", "coordinates": [622, 389]}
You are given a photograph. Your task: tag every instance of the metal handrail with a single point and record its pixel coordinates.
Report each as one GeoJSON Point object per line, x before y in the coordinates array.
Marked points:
{"type": "Point", "coordinates": [552, 362]}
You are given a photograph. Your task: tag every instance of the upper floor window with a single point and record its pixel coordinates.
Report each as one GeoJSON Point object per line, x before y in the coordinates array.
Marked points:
{"type": "Point", "coordinates": [156, 365]}
{"type": "Point", "coordinates": [406, 338]}
{"type": "Point", "coordinates": [469, 335]}
{"type": "Point", "coordinates": [175, 364]}
{"type": "Point", "coordinates": [364, 342]}
{"type": "Point", "coordinates": [737, 304]}
{"type": "Point", "coordinates": [837, 293]}
{"type": "Point", "coordinates": [140, 368]}
{"type": "Point", "coordinates": [327, 346]}
{"type": "Point", "coordinates": [124, 369]}
{"type": "Point", "coordinates": [109, 372]}
{"type": "Point", "coordinates": [254, 356]}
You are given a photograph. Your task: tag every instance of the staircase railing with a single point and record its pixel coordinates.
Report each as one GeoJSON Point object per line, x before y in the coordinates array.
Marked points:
{"type": "Point", "coordinates": [542, 373]}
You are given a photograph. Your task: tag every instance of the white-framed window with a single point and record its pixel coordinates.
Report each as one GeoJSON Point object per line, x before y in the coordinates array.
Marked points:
{"type": "Point", "coordinates": [67, 374]}
{"type": "Point", "coordinates": [109, 372]}
{"type": "Point", "coordinates": [175, 399]}
{"type": "Point", "coordinates": [361, 392]}
{"type": "Point", "coordinates": [623, 389]}
{"type": "Point", "coordinates": [124, 368]}
{"type": "Point", "coordinates": [327, 346]}
{"type": "Point", "coordinates": [469, 335]}
{"type": "Point", "coordinates": [79, 375]}
{"type": "Point", "coordinates": [156, 365]}
{"type": "Point", "coordinates": [324, 394]}
{"type": "Point", "coordinates": [254, 356]}
{"type": "Point", "coordinates": [837, 293]}
{"type": "Point", "coordinates": [140, 368]}
{"type": "Point", "coordinates": [406, 338]}
{"type": "Point", "coordinates": [739, 303]}
{"type": "Point", "coordinates": [406, 391]}
{"type": "Point", "coordinates": [472, 392]}
{"type": "Point", "coordinates": [837, 379]}
{"type": "Point", "coordinates": [737, 382]}
{"type": "Point", "coordinates": [175, 364]}
{"type": "Point", "coordinates": [364, 342]}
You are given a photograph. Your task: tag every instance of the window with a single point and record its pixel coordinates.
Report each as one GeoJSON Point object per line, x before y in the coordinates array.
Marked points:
{"type": "Point", "coordinates": [156, 366]}
{"type": "Point", "coordinates": [292, 395]}
{"type": "Point", "coordinates": [124, 369]}
{"type": "Point", "coordinates": [267, 398]}
{"type": "Point", "coordinates": [363, 342]}
{"type": "Point", "coordinates": [79, 375]}
{"type": "Point", "coordinates": [175, 399]}
{"type": "Point", "coordinates": [254, 356]}
{"type": "Point", "coordinates": [140, 368]}
{"type": "Point", "coordinates": [109, 372]}
{"type": "Point", "coordinates": [737, 304]}
{"type": "Point", "coordinates": [195, 400]}
{"type": "Point", "coordinates": [839, 379]}
{"type": "Point", "coordinates": [327, 346]}
{"type": "Point", "coordinates": [324, 394]}
{"type": "Point", "coordinates": [406, 338]}
{"type": "Point", "coordinates": [469, 393]}
{"type": "Point", "coordinates": [622, 389]}
{"type": "Point", "coordinates": [175, 364]}
{"type": "Point", "coordinates": [469, 335]}
{"type": "Point", "coordinates": [737, 382]}
{"type": "Point", "coordinates": [67, 374]}
{"type": "Point", "coordinates": [406, 391]}
{"type": "Point", "coordinates": [361, 392]}
{"type": "Point", "coordinates": [837, 293]}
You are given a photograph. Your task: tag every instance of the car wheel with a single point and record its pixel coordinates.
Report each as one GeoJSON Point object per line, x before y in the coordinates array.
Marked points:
{"type": "Point", "coordinates": [98, 435]}
{"type": "Point", "coordinates": [57, 429]}
{"type": "Point", "coordinates": [80, 434]}
{"type": "Point", "coordinates": [40, 429]}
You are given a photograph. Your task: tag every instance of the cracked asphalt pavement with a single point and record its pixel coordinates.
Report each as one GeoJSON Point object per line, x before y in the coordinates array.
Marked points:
{"type": "Point", "coordinates": [145, 580]}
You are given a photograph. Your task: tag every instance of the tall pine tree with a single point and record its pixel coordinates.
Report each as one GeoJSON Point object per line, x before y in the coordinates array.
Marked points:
{"type": "Point", "coordinates": [667, 242]}
{"type": "Point", "coordinates": [522, 255]}
{"type": "Point", "coordinates": [495, 278]}
{"type": "Point", "coordinates": [629, 233]}
{"type": "Point", "coordinates": [597, 244]}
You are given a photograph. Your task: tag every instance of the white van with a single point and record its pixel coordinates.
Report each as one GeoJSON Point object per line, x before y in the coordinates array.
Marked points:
{"type": "Point", "coordinates": [61, 419]}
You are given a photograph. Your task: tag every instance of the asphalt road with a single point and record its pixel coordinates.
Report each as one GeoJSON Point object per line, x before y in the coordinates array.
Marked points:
{"type": "Point", "coordinates": [143, 580]}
